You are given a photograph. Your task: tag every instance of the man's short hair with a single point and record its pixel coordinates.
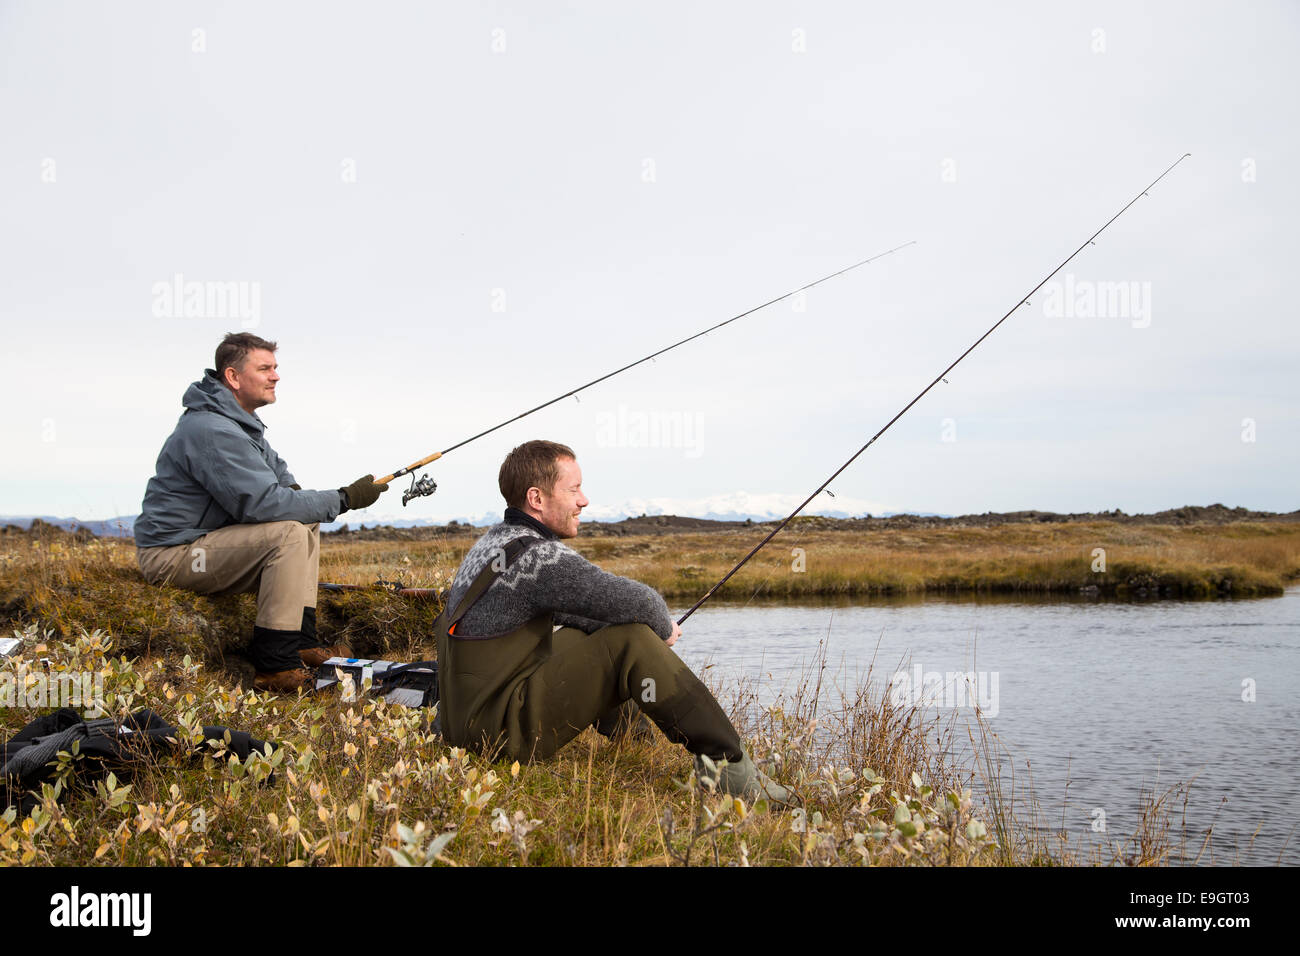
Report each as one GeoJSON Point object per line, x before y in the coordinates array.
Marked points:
{"type": "Point", "coordinates": [534, 464]}
{"type": "Point", "coordinates": [234, 348]}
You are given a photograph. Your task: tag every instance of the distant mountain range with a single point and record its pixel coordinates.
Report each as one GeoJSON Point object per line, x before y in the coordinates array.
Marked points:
{"type": "Point", "coordinates": [738, 506]}
{"type": "Point", "coordinates": [119, 527]}
{"type": "Point", "coordinates": [777, 507]}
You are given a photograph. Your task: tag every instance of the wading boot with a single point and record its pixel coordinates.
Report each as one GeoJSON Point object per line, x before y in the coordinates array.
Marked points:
{"type": "Point", "coordinates": [316, 656]}
{"type": "Point", "coordinates": [744, 780]}
{"type": "Point", "coordinates": [285, 682]}
{"type": "Point", "coordinates": [311, 650]}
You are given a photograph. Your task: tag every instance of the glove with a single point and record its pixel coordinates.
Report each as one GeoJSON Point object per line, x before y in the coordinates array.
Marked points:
{"type": "Point", "coordinates": [362, 493]}
{"type": "Point", "coordinates": [296, 487]}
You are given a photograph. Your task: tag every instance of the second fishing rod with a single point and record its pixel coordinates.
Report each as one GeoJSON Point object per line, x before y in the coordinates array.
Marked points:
{"type": "Point", "coordinates": [903, 411]}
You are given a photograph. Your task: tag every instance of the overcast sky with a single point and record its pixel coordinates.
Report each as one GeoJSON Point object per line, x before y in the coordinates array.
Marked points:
{"type": "Point", "coordinates": [448, 213]}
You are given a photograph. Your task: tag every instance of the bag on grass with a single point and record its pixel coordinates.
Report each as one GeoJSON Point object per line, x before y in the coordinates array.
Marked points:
{"type": "Point", "coordinates": [103, 745]}
{"type": "Point", "coordinates": [413, 684]}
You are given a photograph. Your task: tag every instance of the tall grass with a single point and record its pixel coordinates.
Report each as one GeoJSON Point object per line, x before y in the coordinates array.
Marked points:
{"type": "Point", "coordinates": [1239, 560]}
{"type": "Point", "coordinates": [365, 783]}
{"type": "Point", "coordinates": [1030, 558]}
{"type": "Point", "coordinates": [68, 585]}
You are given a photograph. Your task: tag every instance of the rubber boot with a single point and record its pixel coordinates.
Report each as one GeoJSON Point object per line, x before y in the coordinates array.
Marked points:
{"type": "Point", "coordinates": [310, 649]}
{"type": "Point", "coordinates": [275, 659]}
{"type": "Point", "coordinates": [285, 682]}
{"type": "Point", "coordinates": [744, 780]}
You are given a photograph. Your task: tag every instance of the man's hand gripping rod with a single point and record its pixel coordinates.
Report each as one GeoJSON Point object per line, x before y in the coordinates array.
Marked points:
{"type": "Point", "coordinates": [423, 486]}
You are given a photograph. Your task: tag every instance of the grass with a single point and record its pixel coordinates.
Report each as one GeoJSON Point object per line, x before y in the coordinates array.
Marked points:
{"type": "Point", "coordinates": [1238, 560]}
{"type": "Point", "coordinates": [1124, 560]}
{"type": "Point", "coordinates": [364, 783]}
{"type": "Point", "coordinates": [368, 784]}
{"type": "Point", "coordinates": [69, 586]}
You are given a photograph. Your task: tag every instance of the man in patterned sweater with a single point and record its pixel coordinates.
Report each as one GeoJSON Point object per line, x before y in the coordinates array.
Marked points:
{"type": "Point", "coordinates": [511, 682]}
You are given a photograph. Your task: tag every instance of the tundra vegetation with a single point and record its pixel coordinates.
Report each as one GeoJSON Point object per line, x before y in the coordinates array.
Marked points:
{"type": "Point", "coordinates": [362, 782]}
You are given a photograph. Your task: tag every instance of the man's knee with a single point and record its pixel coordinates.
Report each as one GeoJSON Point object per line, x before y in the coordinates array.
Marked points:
{"type": "Point", "coordinates": [288, 535]}
{"type": "Point", "coordinates": [632, 636]}
{"type": "Point", "coordinates": [646, 668]}
{"type": "Point", "coordinates": [158, 565]}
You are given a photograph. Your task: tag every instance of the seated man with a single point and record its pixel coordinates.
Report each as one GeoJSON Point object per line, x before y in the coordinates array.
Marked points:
{"type": "Point", "coordinates": [509, 683]}
{"type": "Point", "coordinates": [223, 515]}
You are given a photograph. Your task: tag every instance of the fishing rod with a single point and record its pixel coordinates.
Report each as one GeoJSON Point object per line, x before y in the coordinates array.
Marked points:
{"type": "Point", "coordinates": [427, 486]}
{"type": "Point", "coordinates": [939, 378]}
{"type": "Point", "coordinates": [396, 588]}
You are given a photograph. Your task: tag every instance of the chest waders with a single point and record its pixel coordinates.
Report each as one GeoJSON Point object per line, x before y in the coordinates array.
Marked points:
{"type": "Point", "coordinates": [480, 679]}
{"type": "Point", "coordinates": [527, 693]}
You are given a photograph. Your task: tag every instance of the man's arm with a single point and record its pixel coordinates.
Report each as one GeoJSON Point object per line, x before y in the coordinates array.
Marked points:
{"type": "Point", "coordinates": [572, 587]}
{"type": "Point", "coordinates": [234, 473]}
{"type": "Point", "coordinates": [588, 626]}
{"type": "Point", "coordinates": [283, 476]}
{"type": "Point", "coordinates": [584, 624]}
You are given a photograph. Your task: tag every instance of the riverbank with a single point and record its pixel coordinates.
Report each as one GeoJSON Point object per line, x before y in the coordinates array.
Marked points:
{"type": "Point", "coordinates": [1128, 561]}
{"type": "Point", "coordinates": [69, 582]}
{"type": "Point", "coordinates": [369, 784]}
{"type": "Point", "coordinates": [1187, 553]}
{"type": "Point", "coordinates": [364, 783]}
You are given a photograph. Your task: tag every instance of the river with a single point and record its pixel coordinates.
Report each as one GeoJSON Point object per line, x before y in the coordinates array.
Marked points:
{"type": "Point", "coordinates": [1099, 702]}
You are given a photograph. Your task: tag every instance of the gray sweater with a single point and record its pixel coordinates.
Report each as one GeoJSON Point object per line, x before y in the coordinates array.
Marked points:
{"type": "Point", "coordinates": [550, 576]}
{"type": "Point", "coordinates": [216, 469]}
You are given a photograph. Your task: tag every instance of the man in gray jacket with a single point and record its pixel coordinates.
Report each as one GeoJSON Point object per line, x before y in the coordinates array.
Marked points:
{"type": "Point", "coordinates": [223, 514]}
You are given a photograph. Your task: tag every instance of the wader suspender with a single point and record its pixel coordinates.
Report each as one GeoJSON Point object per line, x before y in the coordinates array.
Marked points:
{"type": "Point", "coordinates": [484, 580]}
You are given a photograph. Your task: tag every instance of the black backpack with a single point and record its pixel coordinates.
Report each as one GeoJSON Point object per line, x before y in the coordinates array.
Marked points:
{"type": "Point", "coordinates": [103, 745]}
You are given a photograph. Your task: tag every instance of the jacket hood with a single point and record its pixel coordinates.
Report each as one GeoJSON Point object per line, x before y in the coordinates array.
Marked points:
{"type": "Point", "coordinates": [208, 394]}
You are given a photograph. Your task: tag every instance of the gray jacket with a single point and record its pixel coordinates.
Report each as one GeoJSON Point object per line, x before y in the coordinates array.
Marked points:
{"type": "Point", "coordinates": [216, 469]}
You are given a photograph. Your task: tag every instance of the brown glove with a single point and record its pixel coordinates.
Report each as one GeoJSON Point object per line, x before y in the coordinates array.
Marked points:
{"type": "Point", "coordinates": [362, 493]}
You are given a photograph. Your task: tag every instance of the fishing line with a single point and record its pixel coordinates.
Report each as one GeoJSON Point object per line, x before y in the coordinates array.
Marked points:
{"type": "Point", "coordinates": [426, 486]}
{"type": "Point", "coordinates": [938, 378]}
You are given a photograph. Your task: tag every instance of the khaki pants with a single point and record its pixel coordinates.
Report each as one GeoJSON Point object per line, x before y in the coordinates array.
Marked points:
{"type": "Point", "coordinates": [280, 560]}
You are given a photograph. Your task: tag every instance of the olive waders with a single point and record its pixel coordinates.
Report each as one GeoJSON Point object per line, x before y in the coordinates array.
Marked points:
{"type": "Point", "coordinates": [527, 693]}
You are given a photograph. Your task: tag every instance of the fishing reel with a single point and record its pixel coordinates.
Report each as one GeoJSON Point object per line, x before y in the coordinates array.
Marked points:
{"type": "Point", "coordinates": [419, 488]}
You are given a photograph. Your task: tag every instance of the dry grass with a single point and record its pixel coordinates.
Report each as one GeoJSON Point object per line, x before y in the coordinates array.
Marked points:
{"type": "Point", "coordinates": [69, 585]}
{"type": "Point", "coordinates": [1236, 560]}
{"type": "Point", "coordinates": [366, 783]}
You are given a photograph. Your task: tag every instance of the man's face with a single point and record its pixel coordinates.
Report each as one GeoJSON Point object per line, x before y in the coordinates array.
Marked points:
{"type": "Point", "coordinates": [560, 509]}
{"type": "Point", "coordinates": [254, 384]}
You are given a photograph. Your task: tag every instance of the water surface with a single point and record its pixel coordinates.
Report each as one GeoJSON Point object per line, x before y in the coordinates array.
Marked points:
{"type": "Point", "coordinates": [1100, 701]}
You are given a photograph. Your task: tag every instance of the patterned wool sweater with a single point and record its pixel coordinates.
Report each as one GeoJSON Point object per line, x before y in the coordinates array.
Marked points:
{"type": "Point", "coordinates": [550, 576]}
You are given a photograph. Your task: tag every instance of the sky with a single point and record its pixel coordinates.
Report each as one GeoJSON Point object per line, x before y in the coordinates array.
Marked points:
{"type": "Point", "coordinates": [447, 214]}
